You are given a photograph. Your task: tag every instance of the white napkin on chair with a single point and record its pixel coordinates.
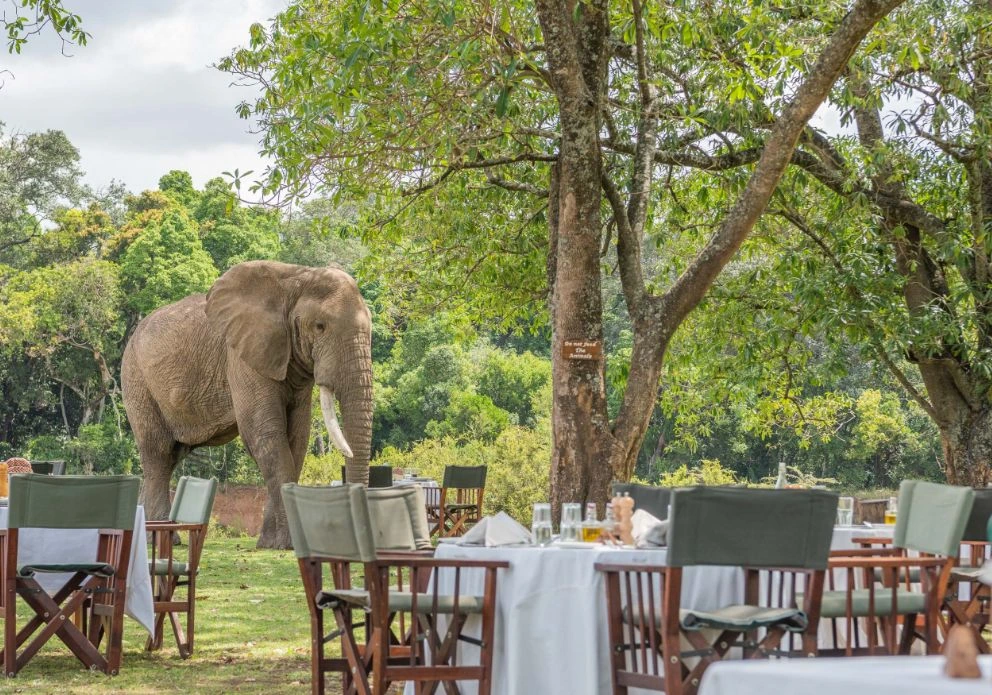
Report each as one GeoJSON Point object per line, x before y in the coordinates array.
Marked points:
{"type": "Point", "coordinates": [648, 530]}
{"type": "Point", "coordinates": [501, 529]}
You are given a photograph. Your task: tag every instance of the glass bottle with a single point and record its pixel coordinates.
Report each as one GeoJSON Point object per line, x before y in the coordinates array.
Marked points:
{"type": "Point", "coordinates": [591, 527]}
{"type": "Point", "coordinates": [609, 523]}
{"type": "Point", "coordinates": [780, 483]}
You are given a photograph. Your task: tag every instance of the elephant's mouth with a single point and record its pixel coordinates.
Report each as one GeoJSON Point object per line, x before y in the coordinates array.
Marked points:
{"type": "Point", "coordinates": [331, 421]}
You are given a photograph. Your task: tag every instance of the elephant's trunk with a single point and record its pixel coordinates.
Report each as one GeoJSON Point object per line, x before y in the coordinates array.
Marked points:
{"type": "Point", "coordinates": [331, 420]}
{"type": "Point", "coordinates": [354, 393]}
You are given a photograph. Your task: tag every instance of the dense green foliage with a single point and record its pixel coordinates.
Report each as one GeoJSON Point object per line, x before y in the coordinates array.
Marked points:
{"type": "Point", "coordinates": [81, 272]}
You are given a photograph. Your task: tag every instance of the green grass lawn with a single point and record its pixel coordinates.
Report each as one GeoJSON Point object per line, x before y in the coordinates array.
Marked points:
{"type": "Point", "coordinates": [252, 636]}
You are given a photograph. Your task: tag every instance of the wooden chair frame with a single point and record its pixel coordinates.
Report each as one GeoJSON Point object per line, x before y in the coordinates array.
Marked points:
{"type": "Point", "coordinates": [416, 646]}
{"type": "Point", "coordinates": [105, 597]}
{"type": "Point", "coordinates": [164, 586]}
{"type": "Point", "coordinates": [646, 634]}
{"type": "Point", "coordinates": [458, 507]}
{"type": "Point", "coordinates": [976, 611]}
{"type": "Point", "coordinates": [861, 567]}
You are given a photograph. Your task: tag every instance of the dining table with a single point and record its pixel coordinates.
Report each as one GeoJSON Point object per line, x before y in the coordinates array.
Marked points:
{"type": "Point", "coordinates": [885, 675]}
{"type": "Point", "coordinates": [550, 634]}
{"type": "Point", "coordinates": [64, 546]}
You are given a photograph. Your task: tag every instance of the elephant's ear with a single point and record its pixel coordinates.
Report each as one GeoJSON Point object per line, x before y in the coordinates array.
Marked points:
{"type": "Point", "coordinates": [248, 305]}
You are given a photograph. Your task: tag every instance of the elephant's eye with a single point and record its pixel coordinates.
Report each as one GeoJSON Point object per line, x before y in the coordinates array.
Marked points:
{"type": "Point", "coordinates": [319, 326]}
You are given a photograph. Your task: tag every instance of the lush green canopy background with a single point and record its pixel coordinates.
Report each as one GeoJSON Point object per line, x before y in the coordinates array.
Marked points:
{"type": "Point", "coordinates": [79, 268]}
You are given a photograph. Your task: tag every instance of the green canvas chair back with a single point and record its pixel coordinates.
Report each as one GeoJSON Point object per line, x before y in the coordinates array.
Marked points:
{"type": "Point", "coordinates": [651, 498]}
{"type": "Point", "coordinates": [751, 528]}
{"type": "Point", "coordinates": [399, 518]}
{"type": "Point", "coordinates": [331, 522]}
{"type": "Point", "coordinates": [194, 500]}
{"type": "Point", "coordinates": [380, 476]}
{"type": "Point", "coordinates": [464, 477]}
{"type": "Point", "coordinates": [73, 501]}
{"type": "Point", "coordinates": [932, 517]}
{"type": "Point", "coordinates": [48, 467]}
{"type": "Point", "coordinates": [978, 520]}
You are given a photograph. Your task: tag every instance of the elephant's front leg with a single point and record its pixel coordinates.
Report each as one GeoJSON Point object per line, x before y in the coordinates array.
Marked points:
{"type": "Point", "coordinates": [262, 421]}
{"type": "Point", "coordinates": [300, 419]}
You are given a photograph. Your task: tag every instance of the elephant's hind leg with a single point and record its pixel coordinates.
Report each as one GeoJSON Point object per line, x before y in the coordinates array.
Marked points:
{"type": "Point", "coordinates": [158, 450]}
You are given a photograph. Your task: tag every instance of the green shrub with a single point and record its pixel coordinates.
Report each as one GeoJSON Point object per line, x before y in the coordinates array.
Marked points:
{"type": "Point", "coordinates": [517, 461]}
{"type": "Point", "coordinates": [321, 469]}
{"type": "Point", "coordinates": [709, 472]}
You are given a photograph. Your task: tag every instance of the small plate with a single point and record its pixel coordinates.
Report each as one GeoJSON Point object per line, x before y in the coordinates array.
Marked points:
{"type": "Point", "coordinates": [577, 545]}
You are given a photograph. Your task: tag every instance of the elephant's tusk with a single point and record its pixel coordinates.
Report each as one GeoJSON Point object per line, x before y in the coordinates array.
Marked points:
{"type": "Point", "coordinates": [331, 420]}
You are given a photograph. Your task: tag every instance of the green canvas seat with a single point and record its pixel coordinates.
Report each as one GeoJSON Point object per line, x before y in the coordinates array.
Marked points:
{"type": "Point", "coordinates": [160, 568]}
{"type": "Point", "coordinates": [92, 568]}
{"type": "Point", "coordinates": [834, 603]}
{"type": "Point", "coordinates": [968, 574]}
{"type": "Point", "coordinates": [744, 618]}
{"type": "Point", "coordinates": [778, 537]}
{"type": "Point", "coordinates": [400, 601]}
{"type": "Point", "coordinates": [173, 572]}
{"type": "Point", "coordinates": [95, 589]}
{"type": "Point", "coordinates": [386, 532]}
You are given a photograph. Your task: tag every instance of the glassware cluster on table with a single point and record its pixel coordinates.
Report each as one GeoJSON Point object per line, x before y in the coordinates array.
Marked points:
{"type": "Point", "coordinates": [574, 528]}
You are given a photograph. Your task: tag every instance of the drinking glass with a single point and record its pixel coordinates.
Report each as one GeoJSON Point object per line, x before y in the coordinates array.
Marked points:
{"type": "Point", "coordinates": [845, 511]}
{"type": "Point", "coordinates": [571, 521]}
{"type": "Point", "coordinates": [891, 509]}
{"type": "Point", "coordinates": [540, 527]}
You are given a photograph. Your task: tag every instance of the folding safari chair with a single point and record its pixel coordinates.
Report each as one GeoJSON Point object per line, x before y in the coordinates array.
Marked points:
{"type": "Point", "coordinates": [781, 539]}
{"type": "Point", "coordinates": [189, 515]}
{"type": "Point", "coordinates": [107, 503]}
{"type": "Point", "coordinates": [333, 528]}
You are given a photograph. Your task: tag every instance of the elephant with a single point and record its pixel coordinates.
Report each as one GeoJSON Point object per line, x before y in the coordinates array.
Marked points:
{"type": "Point", "coordinates": [243, 359]}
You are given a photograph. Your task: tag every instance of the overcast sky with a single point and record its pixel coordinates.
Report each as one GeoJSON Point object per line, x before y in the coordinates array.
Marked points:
{"type": "Point", "coordinates": [140, 98]}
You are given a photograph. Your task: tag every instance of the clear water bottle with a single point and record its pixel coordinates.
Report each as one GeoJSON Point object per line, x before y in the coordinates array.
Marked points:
{"type": "Point", "coordinates": [780, 483]}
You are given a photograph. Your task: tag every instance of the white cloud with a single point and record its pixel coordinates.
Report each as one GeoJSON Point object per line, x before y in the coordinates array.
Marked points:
{"type": "Point", "coordinates": [140, 98]}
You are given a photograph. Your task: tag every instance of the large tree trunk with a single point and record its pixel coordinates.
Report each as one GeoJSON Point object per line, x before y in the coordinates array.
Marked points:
{"type": "Point", "coordinates": [581, 438]}
{"type": "Point", "coordinates": [967, 446]}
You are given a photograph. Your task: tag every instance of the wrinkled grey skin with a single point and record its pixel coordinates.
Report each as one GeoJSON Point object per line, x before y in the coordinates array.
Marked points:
{"type": "Point", "coordinates": [243, 359]}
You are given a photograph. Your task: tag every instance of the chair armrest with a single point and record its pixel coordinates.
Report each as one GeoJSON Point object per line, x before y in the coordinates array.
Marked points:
{"type": "Point", "coordinates": [883, 562]}
{"type": "Point", "coordinates": [155, 526]}
{"type": "Point", "coordinates": [868, 552]}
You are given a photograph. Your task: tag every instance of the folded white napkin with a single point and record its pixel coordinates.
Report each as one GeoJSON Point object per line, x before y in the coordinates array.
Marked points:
{"type": "Point", "coordinates": [501, 529]}
{"type": "Point", "coordinates": [648, 530]}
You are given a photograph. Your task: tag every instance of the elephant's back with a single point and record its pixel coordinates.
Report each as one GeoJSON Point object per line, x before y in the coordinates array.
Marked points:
{"type": "Point", "coordinates": [180, 360]}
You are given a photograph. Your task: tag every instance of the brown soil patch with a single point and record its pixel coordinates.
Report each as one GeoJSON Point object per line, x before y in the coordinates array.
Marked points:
{"type": "Point", "coordinates": [240, 507]}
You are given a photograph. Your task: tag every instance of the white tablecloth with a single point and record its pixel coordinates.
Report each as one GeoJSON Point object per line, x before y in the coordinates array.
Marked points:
{"type": "Point", "coordinates": [889, 675]}
{"type": "Point", "coordinates": [50, 546]}
{"type": "Point", "coordinates": [551, 633]}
